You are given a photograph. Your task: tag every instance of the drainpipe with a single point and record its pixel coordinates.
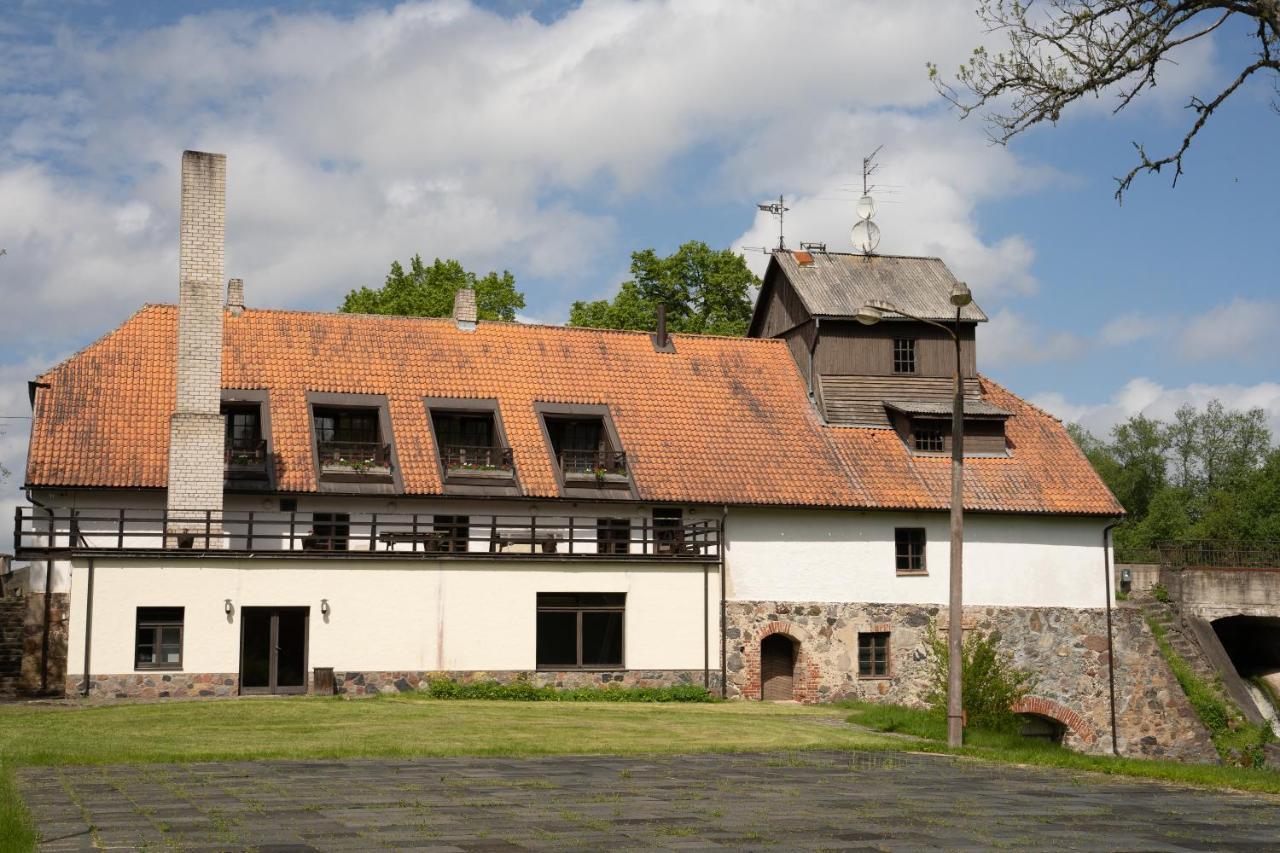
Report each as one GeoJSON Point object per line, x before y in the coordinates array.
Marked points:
{"type": "Point", "coordinates": [88, 626]}
{"type": "Point", "coordinates": [724, 544]}
{"type": "Point", "coordinates": [1111, 650]}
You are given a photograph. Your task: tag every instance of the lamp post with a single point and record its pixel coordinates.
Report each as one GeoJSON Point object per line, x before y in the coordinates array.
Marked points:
{"type": "Point", "coordinates": [874, 312]}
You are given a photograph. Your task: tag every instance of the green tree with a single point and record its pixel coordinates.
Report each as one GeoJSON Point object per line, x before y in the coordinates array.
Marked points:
{"type": "Point", "coordinates": [428, 291]}
{"type": "Point", "coordinates": [706, 291]}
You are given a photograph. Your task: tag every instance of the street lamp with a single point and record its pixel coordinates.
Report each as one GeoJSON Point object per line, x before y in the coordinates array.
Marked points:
{"type": "Point", "coordinates": [874, 312]}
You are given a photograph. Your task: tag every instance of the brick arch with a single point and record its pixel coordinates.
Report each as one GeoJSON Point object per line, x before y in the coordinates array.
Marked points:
{"type": "Point", "coordinates": [806, 671]}
{"type": "Point", "coordinates": [1043, 707]}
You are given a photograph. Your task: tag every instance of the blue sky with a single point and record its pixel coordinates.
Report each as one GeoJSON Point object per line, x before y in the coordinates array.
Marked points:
{"type": "Point", "coordinates": [553, 138]}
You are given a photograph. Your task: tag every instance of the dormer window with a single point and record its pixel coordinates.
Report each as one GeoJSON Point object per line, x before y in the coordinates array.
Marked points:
{"type": "Point", "coordinates": [588, 455]}
{"type": "Point", "coordinates": [352, 443]}
{"type": "Point", "coordinates": [469, 445]}
{"type": "Point", "coordinates": [904, 355]}
{"type": "Point", "coordinates": [926, 438]}
{"type": "Point", "coordinates": [245, 447]}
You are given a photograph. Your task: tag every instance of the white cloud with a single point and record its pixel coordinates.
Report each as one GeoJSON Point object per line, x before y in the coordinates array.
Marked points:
{"type": "Point", "coordinates": [1144, 396]}
{"type": "Point", "coordinates": [1133, 327]}
{"type": "Point", "coordinates": [1237, 330]}
{"type": "Point", "coordinates": [1011, 339]}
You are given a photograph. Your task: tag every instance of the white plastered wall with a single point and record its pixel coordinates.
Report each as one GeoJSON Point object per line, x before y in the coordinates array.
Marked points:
{"type": "Point", "coordinates": [1009, 560]}
{"type": "Point", "coordinates": [416, 616]}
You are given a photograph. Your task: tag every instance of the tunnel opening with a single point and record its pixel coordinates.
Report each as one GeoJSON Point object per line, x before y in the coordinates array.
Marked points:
{"type": "Point", "coordinates": [1041, 728]}
{"type": "Point", "coordinates": [1253, 644]}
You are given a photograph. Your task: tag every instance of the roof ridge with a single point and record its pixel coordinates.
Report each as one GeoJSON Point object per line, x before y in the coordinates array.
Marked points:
{"type": "Point", "coordinates": [509, 323]}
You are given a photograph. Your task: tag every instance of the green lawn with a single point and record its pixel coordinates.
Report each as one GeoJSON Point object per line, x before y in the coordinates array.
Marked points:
{"type": "Point", "coordinates": [367, 728]}
{"type": "Point", "coordinates": [1013, 749]}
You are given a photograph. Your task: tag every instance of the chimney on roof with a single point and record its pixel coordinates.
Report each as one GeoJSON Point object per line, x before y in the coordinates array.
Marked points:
{"type": "Point", "coordinates": [196, 430]}
{"type": "Point", "coordinates": [661, 340]}
{"type": "Point", "coordinates": [235, 296]}
{"type": "Point", "coordinates": [464, 309]}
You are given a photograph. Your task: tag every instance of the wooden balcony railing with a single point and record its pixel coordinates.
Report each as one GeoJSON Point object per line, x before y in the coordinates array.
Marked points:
{"type": "Point", "coordinates": [356, 455]}
{"type": "Point", "coordinates": [60, 533]}
{"type": "Point", "coordinates": [467, 459]}
{"type": "Point", "coordinates": [593, 463]}
{"type": "Point", "coordinates": [245, 454]}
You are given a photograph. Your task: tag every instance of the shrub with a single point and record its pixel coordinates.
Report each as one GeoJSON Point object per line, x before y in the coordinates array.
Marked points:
{"type": "Point", "coordinates": [1160, 593]}
{"type": "Point", "coordinates": [523, 690]}
{"type": "Point", "coordinates": [991, 684]}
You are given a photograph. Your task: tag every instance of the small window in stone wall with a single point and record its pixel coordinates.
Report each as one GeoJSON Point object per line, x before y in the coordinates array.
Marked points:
{"type": "Point", "coordinates": [158, 639]}
{"type": "Point", "coordinates": [873, 654]}
{"type": "Point", "coordinates": [908, 544]}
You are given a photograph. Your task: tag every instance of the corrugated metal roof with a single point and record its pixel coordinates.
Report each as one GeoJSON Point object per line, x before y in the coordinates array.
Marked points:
{"type": "Point", "coordinates": [977, 408]}
{"type": "Point", "coordinates": [837, 284]}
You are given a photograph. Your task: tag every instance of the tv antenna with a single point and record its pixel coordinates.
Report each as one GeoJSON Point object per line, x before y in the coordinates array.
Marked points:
{"type": "Point", "coordinates": [866, 234]}
{"type": "Point", "coordinates": [779, 209]}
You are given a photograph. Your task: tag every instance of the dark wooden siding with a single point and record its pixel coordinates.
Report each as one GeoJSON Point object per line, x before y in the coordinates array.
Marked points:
{"type": "Point", "coordinates": [859, 400]}
{"type": "Point", "coordinates": [982, 437]}
{"type": "Point", "coordinates": [847, 347]}
{"type": "Point", "coordinates": [798, 341]}
{"type": "Point", "coordinates": [783, 309]}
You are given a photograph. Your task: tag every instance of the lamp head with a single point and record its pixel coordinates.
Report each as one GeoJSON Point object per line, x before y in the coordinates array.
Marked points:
{"type": "Point", "coordinates": [869, 315]}
{"type": "Point", "coordinates": [960, 295]}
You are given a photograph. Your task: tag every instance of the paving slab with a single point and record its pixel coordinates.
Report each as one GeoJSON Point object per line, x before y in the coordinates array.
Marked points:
{"type": "Point", "coordinates": [810, 801]}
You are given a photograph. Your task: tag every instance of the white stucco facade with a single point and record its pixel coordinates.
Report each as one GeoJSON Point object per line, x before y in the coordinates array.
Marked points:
{"type": "Point", "coordinates": [422, 615]}
{"type": "Point", "coordinates": [828, 555]}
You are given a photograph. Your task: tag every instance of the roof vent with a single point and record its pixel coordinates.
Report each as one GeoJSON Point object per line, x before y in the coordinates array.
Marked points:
{"type": "Point", "coordinates": [464, 309]}
{"type": "Point", "coordinates": [235, 296]}
{"type": "Point", "coordinates": [661, 340]}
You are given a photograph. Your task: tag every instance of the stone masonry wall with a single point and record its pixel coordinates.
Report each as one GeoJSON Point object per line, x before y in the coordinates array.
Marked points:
{"type": "Point", "coordinates": [159, 685]}
{"type": "Point", "coordinates": [33, 641]}
{"type": "Point", "coordinates": [1065, 648]}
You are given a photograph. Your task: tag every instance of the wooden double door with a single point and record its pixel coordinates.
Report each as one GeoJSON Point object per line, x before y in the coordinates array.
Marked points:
{"type": "Point", "coordinates": [273, 649]}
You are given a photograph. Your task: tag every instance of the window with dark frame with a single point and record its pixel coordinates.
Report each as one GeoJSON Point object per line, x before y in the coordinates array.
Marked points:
{"type": "Point", "coordinates": [668, 530]}
{"type": "Point", "coordinates": [355, 426]}
{"type": "Point", "coordinates": [904, 355]}
{"type": "Point", "coordinates": [928, 439]}
{"type": "Point", "coordinates": [452, 533]}
{"type": "Point", "coordinates": [244, 427]}
{"type": "Point", "coordinates": [580, 630]}
{"type": "Point", "coordinates": [613, 536]}
{"type": "Point", "coordinates": [873, 654]}
{"type": "Point", "coordinates": [158, 639]}
{"type": "Point", "coordinates": [909, 545]}
{"type": "Point", "coordinates": [463, 429]}
{"type": "Point", "coordinates": [330, 531]}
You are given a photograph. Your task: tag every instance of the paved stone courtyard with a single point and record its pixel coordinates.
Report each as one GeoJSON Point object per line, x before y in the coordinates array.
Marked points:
{"type": "Point", "coordinates": [809, 801]}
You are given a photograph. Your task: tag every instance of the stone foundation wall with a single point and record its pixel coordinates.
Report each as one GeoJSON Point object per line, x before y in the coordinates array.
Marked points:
{"type": "Point", "coordinates": [33, 641]}
{"type": "Point", "coordinates": [156, 685]}
{"type": "Point", "coordinates": [360, 683]}
{"type": "Point", "coordinates": [1066, 650]}
{"type": "Point", "coordinates": [160, 685]}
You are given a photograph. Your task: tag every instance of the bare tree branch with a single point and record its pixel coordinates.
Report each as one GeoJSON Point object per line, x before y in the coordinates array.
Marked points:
{"type": "Point", "coordinates": [1063, 50]}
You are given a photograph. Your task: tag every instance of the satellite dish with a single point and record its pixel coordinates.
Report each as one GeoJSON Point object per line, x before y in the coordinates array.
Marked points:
{"type": "Point", "coordinates": [865, 236]}
{"type": "Point", "coordinates": [866, 207]}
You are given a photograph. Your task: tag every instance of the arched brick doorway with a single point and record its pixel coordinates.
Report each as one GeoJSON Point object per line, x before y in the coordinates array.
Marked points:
{"type": "Point", "coordinates": [777, 668]}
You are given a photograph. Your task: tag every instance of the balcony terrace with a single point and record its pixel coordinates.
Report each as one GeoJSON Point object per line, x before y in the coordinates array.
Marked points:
{"type": "Point", "coordinates": [59, 534]}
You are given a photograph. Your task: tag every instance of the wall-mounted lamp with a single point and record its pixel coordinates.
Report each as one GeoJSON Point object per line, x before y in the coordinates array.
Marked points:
{"type": "Point", "coordinates": [226, 606]}
{"type": "Point", "coordinates": [324, 607]}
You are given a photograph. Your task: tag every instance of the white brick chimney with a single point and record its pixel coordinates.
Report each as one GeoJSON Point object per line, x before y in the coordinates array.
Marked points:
{"type": "Point", "coordinates": [196, 431]}
{"type": "Point", "coordinates": [464, 309]}
{"type": "Point", "coordinates": [235, 296]}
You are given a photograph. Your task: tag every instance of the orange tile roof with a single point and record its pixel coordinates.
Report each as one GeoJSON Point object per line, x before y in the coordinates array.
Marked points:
{"type": "Point", "coordinates": [721, 420]}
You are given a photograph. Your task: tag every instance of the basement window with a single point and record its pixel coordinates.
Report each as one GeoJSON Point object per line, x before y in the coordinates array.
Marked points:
{"type": "Point", "coordinates": [158, 640]}
{"type": "Point", "coordinates": [908, 543]}
{"type": "Point", "coordinates": [904, 355]}
{"type": "Point", "coordinates": [873, 654]}
{"type": "Point", "coordinates": [580, 630]}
